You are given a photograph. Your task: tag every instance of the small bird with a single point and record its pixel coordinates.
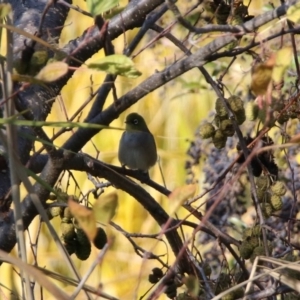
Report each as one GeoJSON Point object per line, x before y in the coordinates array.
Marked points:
{"type": "Point", "coordinates": [137, 149]}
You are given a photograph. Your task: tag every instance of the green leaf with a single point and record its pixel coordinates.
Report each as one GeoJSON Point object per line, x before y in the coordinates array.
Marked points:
{"type": "Point", "coordinates": [85, 218]}
{"type": "Point", "coordinates": [97, 7]}
{"type": "Point", "coordinates": [293, 13]}
{"type": "Point", "coordinates": [53, 71]}
{"type": "Point", "coordinates": [116, 64]}
{"type": "Point", "coordinates": [105, 208]}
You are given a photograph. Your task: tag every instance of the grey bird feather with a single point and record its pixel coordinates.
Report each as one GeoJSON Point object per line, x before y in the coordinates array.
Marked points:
{"type": "Point", "coordinates": [137, 149]}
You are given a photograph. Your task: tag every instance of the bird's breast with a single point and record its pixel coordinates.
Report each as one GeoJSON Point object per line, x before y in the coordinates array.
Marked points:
{"type": "Point", "coordinates": [137, 150]}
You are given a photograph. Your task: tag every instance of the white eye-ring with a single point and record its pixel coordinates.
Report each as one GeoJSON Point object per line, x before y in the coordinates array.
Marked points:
{"type": "Point", "coordinates": [135, 121]}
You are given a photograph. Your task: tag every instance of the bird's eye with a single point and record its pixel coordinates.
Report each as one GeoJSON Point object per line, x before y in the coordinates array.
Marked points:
{"type": "Point", "coordinates": [135, 121]}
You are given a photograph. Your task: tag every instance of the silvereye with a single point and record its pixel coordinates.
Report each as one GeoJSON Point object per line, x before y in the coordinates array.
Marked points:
{"type": "Point", "coordinates": [137, 149]}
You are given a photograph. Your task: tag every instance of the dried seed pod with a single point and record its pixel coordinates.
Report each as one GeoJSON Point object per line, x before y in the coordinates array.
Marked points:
{"type": "Point", "coordinates": [226, 126]}
{"type": "Point", "coordinates": [222, 13]}
{"type": "Point", "coordinates": [254, 241]}
{"type": "Point", "coordinates": [252, 232]}
{"type": "Point", "coordinates": [82, 237]}
{"type": "Point", "coordinates": [171, 290]}
{"type": "Point", "coordinates": [70, 245]}
{"type": "Point", "coordinates": [158, 272]}
{"type": "Point", "coordinates": [207, 130]}
{"type": "Point", "coordinates": [258, 251]}
{"type": "Point", "coordinates": [83, 250]}
{"type": "Point", "coordinates": [246, 250]}
{"type": "Point", "coordinates": [240, 116]}
{"type": "Point", "coordinates": [276, 202]}
{"type": "Point", "coordinates": [236, 104]}
{"type": "Point", "coordinates": [67, 230]}
{"type": "Point", "coordinates": [100, 239]}
{"type": "Point", "coordinates": [256, 231]}
{"type": "Point", "coordinates": [54, 211]}
{"type": "Point", "coordinates": [278, 188]}
{"type": "Point", "coordinates": [263, 182]}
{"type": "Point", "coordinates": [218, 119]}
{"type": "Point", "coordinates": [219, 139]}
{"type": "Point", "coordinates": [220, 108]}
{"type": "Point", "coordinates": [261, 195]}
{"type": "Point", "coordinates": [267, 209]}
{"type": "Point", "coordinates": [153, 279]}
{"type": "Point", "coordinates": [247, 233]}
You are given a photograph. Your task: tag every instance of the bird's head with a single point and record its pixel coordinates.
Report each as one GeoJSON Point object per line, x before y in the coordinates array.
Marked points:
{"type": "Point", "coordinates": [135, 122]}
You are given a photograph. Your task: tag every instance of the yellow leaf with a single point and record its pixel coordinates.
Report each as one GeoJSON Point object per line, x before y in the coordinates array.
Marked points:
{"type": "Point", "coordinates": [182, 194]}
{"type": "Point", "coordinates": [192, 285]}
{"type": "Point", "coordinates": [5, 9]}
{"type": "Point", "coordinates": [283, 59]}
{"type": "Point", "coordinates": [105, 208]}
{"type": "Point", "coordinates": [293, 13]}
{"type": "Point", "coordinates": [53, 71]}
{"type": "Point", "coordinates": [261, 76]}
{"type": "Point", "coordinates": [85, 218]}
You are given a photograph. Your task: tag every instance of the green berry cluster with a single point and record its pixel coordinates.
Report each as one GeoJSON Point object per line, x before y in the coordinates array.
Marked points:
{"type": "Point", "coordinates": [251, 245]}
{"type": "Point", "coordinates": [236, 104]}
{"type": "Point", "coordinates": [73, 237]}
{"type": "Point", "coordinates": [76, 241]}
{"type": "Point", "coordinates": [269, 194]}
{"type": "Point", "coordinates": [224, 125]}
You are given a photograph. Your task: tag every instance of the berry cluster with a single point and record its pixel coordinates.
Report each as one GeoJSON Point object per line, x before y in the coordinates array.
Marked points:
{"type": "Point", "coordinates": [222, 121]}
{"type": "Point", "coordinates": [169, 282]}
{"type": "Point", "coordinates": [269, 194]}
{"type": "Point", "coordinates": [264, 160]}
{"type": "Point", "coordinates": [252, 244]}
{"type": "Point", "coordinates": [73, 237]}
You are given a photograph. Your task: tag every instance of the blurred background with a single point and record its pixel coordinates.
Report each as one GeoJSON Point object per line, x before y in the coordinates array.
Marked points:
{"type": "Point", "coordinates": [173, 114]}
